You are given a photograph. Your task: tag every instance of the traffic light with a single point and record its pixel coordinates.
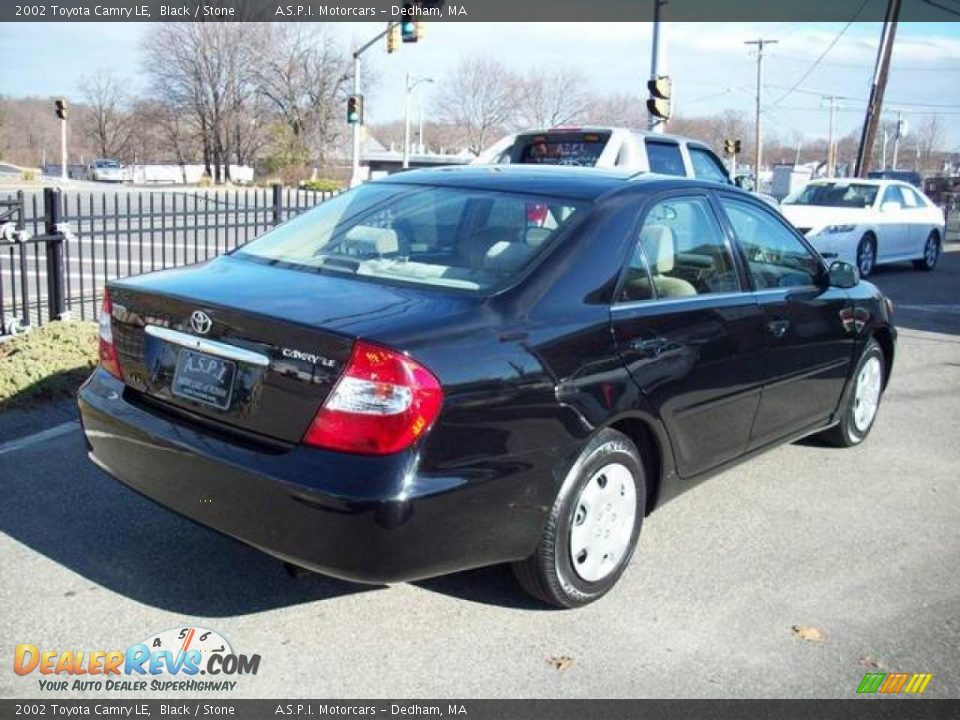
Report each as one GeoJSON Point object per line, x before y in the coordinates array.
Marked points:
{"type": "Point", "coordinates": [409, 28]}
{"type": "Point", "coordinates": [659, 103]}
{"type": "Point", "coordinates": [355, 110]}
{"type": "Point", "coordinates": [393, 38]}
{"type": "Point", "coordinates": [61, 108]}
{"type": "Point", "coordinates": [731, 147]}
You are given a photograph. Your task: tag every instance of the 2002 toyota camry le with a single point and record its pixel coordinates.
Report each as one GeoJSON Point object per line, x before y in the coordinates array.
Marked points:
{"type": "Point", "coordinates": [453, 368]}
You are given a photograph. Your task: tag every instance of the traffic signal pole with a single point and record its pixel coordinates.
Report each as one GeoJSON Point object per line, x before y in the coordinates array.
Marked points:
{"type": "Point", "coordinates": [355, 178]}
{"type": "Point", "coordinates": [657, 63]}
{"type": "Point", "coordinates": [63, 149]}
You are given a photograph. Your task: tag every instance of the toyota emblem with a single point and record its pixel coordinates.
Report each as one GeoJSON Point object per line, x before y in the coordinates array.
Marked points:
{"type": "Point", "coordinates": [200, 322]}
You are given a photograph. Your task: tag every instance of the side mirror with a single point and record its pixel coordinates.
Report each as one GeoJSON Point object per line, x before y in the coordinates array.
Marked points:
{"type": "Point", "coordinates": [889, 207]}
{"type": "Point", "coordinates": [843, 274]}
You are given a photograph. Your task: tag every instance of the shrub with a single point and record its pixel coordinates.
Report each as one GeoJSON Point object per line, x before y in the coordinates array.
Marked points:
{"type": "Point", "coordinates": [321, 185]}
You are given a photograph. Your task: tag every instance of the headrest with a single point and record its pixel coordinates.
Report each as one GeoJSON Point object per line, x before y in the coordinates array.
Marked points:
{"type": "Point", "coordinates": [506, 256]}
{"type": "Point", "coordinates": [536, 236]}
{"type": "Point", "coordinates": [658, 244]}
{"type": "Point", "coordinates": [369, 239]}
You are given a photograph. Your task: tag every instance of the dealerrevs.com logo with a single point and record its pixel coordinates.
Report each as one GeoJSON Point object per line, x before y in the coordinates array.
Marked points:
{"type": "Point", "coordinates": [181, 659]}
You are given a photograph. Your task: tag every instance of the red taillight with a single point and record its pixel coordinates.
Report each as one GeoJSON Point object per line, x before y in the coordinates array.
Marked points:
{"type": "Point", "coordinates": [382, 404]}
{"type": "Point", "coordinates": [108, 351]}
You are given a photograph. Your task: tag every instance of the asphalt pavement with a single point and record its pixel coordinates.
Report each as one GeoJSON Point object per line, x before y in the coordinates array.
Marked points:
{"type": "Point", "coordinates": [790, 576]}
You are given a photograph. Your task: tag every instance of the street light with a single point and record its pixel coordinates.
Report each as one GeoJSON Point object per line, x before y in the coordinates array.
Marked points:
{"type": "Point", "coordinates": [412, 83]}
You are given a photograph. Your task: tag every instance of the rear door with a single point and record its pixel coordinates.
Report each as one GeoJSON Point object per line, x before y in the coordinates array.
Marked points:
{"type": "Point", "coordinates": [690, 336]}
{"type": "Point", "coordinates": [894, 225]}
{"type": "Point", "coordinates": [807, 327]}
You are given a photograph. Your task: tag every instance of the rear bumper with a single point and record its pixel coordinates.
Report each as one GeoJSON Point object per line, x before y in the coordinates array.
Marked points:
{"type": "Point", "coordinates": [359, 518]}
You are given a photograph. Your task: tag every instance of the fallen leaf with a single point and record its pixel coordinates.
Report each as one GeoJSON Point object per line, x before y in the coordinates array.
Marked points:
{"type": "Point", "coordinates": [561, 662]}
{"type": "Point", "coordinates": [809, 634]}
{"type": "Point", "coordinates": [870, 662]}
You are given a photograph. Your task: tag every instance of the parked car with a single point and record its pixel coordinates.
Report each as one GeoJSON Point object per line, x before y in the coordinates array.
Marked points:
{"type": "Point", "coordinates": [453, 368]}
{"type": "Point", "coordinates": [103, 170]}
{"type": "Point", "coordinates": [609, 147]}
{"type": "Point", "coordinates": [613, 147]}
{"type": "Point", "coordinates": [908, 176]}
{"type": "Point", "coordinates": [868, 222]}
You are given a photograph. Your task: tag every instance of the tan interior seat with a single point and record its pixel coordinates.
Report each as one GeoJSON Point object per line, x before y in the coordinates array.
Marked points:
{"type": "Point", "coordinates": [658, 244]}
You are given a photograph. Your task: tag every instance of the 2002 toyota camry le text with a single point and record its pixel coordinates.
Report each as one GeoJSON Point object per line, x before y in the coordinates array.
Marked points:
{"type": "Point", "coordinates": [453, 368]}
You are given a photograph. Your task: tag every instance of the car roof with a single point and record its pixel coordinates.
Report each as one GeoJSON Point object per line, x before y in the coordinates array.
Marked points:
{"type": "Point", "coordinates": [581, 183]}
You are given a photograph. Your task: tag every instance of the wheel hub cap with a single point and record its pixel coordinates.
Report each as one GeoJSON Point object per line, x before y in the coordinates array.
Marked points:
{"type": "Point", "coordinates": [867, 395]}
{"type": "Point", "coordinates": [603, 522]}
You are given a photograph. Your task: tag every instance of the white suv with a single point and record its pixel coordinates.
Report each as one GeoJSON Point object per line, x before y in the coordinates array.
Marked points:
{"type": "Point", "coordinates": [609, 147]}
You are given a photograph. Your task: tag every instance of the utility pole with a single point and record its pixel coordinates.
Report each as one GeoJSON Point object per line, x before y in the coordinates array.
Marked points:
{"type": "Point", "coordinates": [831, 142]}
{"type": "Point", "coordinates": [879, 86]}
{"type": "Point", "coordinates": [758, 156]}
{"type": "Point", "coordinates": [657, 63]}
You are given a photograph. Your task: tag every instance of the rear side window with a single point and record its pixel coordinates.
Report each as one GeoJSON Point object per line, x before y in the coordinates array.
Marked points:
{"type": "Point", "coordinates": [685, 252]}
{"type": "Point", "coordinates": [707, 166]}
{"type": "Point", "coordinates": [911, 199]}
{"type": "Point", "coordinates": [665, 158]}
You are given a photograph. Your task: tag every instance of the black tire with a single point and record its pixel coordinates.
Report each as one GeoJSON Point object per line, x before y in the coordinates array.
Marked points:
{"type": "Point", "coordinates": [846, 433]}
{"type": "Point", "coordinates": [549, 574]}
{"type": "Point", "coordinates": [866, 263]}
{"type": "Point", "coordinates": [931, 253]}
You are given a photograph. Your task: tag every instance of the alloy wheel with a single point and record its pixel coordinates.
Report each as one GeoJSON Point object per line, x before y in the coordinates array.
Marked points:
{"type": "Point", "coordinates": [931, 251]}
{"type": "Point", "coordinates": [866, 258]}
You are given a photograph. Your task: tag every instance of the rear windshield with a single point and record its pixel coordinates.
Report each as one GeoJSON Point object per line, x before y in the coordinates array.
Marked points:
{"type": "Point", "coordinates": [835, 194]}
{"type": "Point", "coordinates": [441, 236]}
{"type": "Point", "coordinates": [565, 148]}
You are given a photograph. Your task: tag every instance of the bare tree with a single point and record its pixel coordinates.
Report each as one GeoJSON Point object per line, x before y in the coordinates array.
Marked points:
{"type": "Point", "coordinates": [928, 140]}
{"type": "Point", "coordinates": [546, 98]}
{"type": "Point", "coordinates": [479, 98]}
{"type": "Point", "coordinates": [304, 75]}
{"type": "Point", "coordinates": [620, 110]}
{"type": "Point", "coordinates": [204, 70]}
{"type": "Point", "coordinates": [105, 121]}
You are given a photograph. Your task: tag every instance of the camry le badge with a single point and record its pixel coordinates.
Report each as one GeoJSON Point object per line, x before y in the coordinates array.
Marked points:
{"type": "Point", "coordinates": [200, 322]}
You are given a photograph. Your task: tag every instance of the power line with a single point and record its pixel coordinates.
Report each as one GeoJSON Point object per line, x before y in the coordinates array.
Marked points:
{"type": "Point", "coordinates": [823, 54]}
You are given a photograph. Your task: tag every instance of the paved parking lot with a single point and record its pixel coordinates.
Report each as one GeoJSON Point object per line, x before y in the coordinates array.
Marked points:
{"type": "Point", "coordinates": [860, 546]}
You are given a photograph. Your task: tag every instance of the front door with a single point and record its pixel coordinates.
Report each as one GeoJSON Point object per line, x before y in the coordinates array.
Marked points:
{"type": "Point", "coordinates": [809, 328]}
{"type": "Point", "coordinates": [689, 334]}
{"type": "Point", "coordinates": [893, 226]}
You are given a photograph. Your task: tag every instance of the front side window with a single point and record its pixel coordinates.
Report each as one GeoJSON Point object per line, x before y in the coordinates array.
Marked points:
{"type": "Point", "coordinates": [706, 165]}
{"type": "Point", "coordinates": [685, 251]}
{"type": "Point", "coordinates": [441, 236]}
{"type": "Point", "coordinates": [775, 255]}
{"type": "Point", "coordinates": [664, 158]}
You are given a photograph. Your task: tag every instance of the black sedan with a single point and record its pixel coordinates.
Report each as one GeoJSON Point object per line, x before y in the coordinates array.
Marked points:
{"type": "Point", "coordinates": [459, 367]}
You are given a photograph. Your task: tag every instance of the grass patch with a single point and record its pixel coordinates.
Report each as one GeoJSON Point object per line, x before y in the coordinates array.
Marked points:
{"type": "Point", "coordinates": [49, 362]}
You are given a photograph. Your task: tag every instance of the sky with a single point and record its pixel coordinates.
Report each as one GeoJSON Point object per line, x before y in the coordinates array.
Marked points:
{"type": "Point", "coordinates": [712, 69]}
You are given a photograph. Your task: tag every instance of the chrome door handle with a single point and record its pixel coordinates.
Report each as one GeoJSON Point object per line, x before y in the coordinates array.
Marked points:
{"type": "Point", "coordinates": [649, 346]}
{"type": "Point", "coordinates": [778, 328]}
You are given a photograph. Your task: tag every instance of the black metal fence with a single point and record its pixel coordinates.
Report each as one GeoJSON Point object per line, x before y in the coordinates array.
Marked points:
{"type": "Point", "coordinates": [119, 232]}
